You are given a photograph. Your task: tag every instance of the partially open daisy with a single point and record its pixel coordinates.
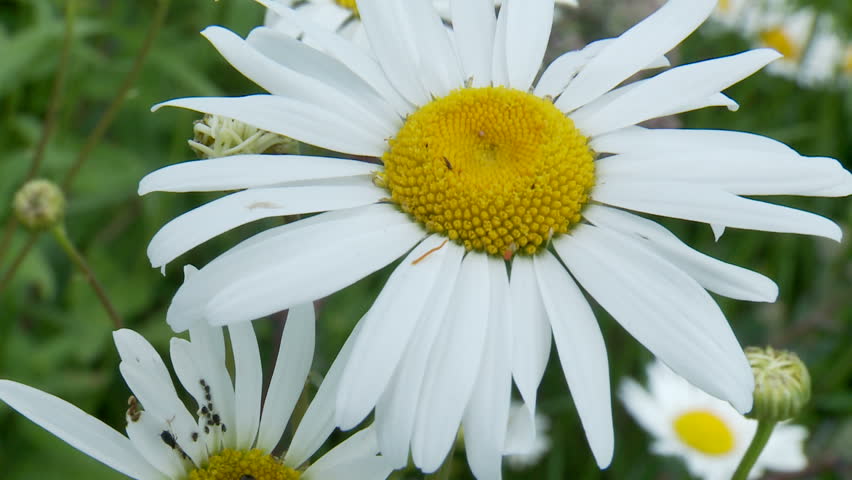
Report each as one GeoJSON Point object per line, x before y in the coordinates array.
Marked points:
{"type": "Point", "coordinates": [707, 433]}
{"type": "Point", "coordinates": [483, 174]}
{"type": "Point", "coordinates": [229, 437]}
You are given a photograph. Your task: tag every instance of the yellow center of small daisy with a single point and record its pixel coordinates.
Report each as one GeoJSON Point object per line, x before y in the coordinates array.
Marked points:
{"type": "Point", "coordinates": [780, 40]}
{"type": "Point", "coordinates": [704, 431]}
{"type": "Point", "coordinates": [244, 465]}
{"type": "Point", "coordinates": [348, 4]}
{"type": "Point", "coordinates": [495, 169]}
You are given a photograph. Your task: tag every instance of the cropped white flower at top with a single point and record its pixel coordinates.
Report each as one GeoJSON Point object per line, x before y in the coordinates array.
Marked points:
{"type": "Point", "coordinates": [229, 436]}
{"type": "Point", "coordinates": [707, 433]}
{"type": "Point", "coordinates": [502, 196]}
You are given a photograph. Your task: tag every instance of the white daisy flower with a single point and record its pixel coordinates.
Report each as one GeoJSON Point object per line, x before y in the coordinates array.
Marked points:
{"type": "Point", "coordinates": [707, 433]}
{"type": "Point", "coordinates": [342, 16]}
{"type": "Point", "coordinates": [482, 170]}
{"type": "Point", "coordinates": [533, 452]}
{"type": "Point", "coordinates": [229, 437]}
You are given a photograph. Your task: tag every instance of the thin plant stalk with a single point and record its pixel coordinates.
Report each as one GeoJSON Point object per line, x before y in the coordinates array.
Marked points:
{"type": "Point", "coordinates": [761, 437]}
{"type": "Point", "coordinates": [16, 263]}
{"type": "Point", "coordinates": [79, 261]}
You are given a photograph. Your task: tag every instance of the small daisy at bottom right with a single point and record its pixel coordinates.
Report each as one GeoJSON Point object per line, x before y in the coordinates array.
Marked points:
{"type": "Point", "coordinates": [707, 433]}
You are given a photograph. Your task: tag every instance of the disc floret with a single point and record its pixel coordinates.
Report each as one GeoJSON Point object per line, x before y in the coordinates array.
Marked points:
{"type": "Point", "coordinates": [494, 169]}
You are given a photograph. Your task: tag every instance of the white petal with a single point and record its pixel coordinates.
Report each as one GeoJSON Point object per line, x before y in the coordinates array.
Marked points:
{"type": "Point", "coordinates": [318, 422]}
{"type": "Point", "coordinates": [673, 91]}
{"type": "Point", "coordinates": [348, 53]}
{"type": "Point", "coordinates": [531, 337]}
{"type": "Point", "coordinates": [663, 308]}
{"type": "Point", "coordinates": [644, 408]}
{"type": "Point", "coordinates": [219, 216]}
{"type": "Point", "coordinates": [396, 410]}
{"type": "Point", "coordinates": [439, 66]}
{"type": "Point", "coordinates": [293, 118]}
{"type": "Point", "coordinates": [499, 65]}
{"type": "Point", "coordinates": [293, 363]}
{"type": "Point", "coordinates": [392, 44]}
{"type": "Point", "coordinates": [454, 362]}
{"type": "Point", "coordinates": [643, 140]}
{"type": "Point", "coordinates": [147, 376]}
{"type": "Point", "coordinates": [560, 72]}
{"type": "Point", "coordinates": [714, 275]}
{"type": "Point", "coordinates": [356, 455]}
{"type": "Point", "coordinates": [635, 49]}
{"type": "Point", "coordinates": [333, 252]}
{"type": "Point", "coordinates": [707, 204]}
{"type": "Point", "coordinates": [189, 373]}
{"type": "Point", "coordinates": [527, 33]}
{"type": "Point", "coordinates": [146, 434]}
{"type": "Point", "coordinates": [743, 172]}
{"type": "Point", "coordinates": [207, 347]}
{"type": "Point", "coordinates": [248, 379]}
{"type": "Point", "coordinates": [280, 80]}
{"type": "Point", "coordinates": [486, 417]}
{"type": "Point", "coordinates": [582, 353]}
{"type": "Point", "coordinates": [386, 330]}
{"type": "Point", "coordinates": [249, 171]}
{"type": "Point", "coordinates": [301, 57]}
{"type": "Point", "coordinates": [474, 25]}
{"type": "Point", "coordinates": [78, 429]}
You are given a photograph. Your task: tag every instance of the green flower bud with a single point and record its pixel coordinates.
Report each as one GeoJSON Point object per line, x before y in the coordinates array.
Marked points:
{"type": "Point", "coordinates": [782, 384]}
{"type": "Point", "coordinates": [217, 136]}
{"type": "Point", "coordinates": [39, 204]}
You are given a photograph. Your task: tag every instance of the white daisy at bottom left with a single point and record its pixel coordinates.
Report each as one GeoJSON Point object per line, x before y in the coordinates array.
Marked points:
{"type": "Point", "coordinates": [229, 437]}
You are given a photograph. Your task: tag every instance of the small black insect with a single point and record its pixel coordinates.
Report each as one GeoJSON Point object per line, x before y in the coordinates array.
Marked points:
{"type": "Point", "coordinates": [168, 439]}
{"type": "Point", "coordinates": [448, 164]}
{"type": "Point", "coordinates": [194, 436]}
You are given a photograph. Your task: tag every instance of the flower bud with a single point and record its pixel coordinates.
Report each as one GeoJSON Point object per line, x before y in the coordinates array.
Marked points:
{"type": "Point", "coordinates": [217, 136]}
{"type": "Point", "coordinates": [39, 204]}
{"type": "Point", "coordinates": [782, 384]}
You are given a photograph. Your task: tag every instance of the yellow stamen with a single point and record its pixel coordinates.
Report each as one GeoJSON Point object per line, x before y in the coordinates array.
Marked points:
{"type": "Point", "coordinates": [240, 465]}
{"type": "Point", "coordinates": [780, 40]}
{"type": "Point", "coordinates": [348, 4]}
{"type": "Point", "coordinates": [704, 431]}
{"type": "Point", "coordinates": [494, 169]}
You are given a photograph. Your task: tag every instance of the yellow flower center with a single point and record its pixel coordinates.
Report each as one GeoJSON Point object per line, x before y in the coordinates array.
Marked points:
{"type": "Point", "coordinates": [244, 465]}
{"type": "Point", "coordinates": [725, 5]}
{"type": "Point", "coordinates": [348, 4]}
{"type": "Point", "coordinates": [778, 39]}
{"type": "Point", "coordinates": [704, 431]}
{"type": "Point", "coordinates": [494, 169]}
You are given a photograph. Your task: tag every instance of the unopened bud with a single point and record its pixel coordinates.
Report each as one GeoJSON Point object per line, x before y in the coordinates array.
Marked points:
{"type": "Point", "coordinates": [39, 204]}
{"type": "Point", "coordinates": [217, 136]}
{"type": "Point", "coordinates": [782, 384]}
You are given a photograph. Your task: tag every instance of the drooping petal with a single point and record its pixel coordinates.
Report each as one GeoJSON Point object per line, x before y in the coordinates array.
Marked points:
{"type": "Point", "coordinates": [207, 348]}
{"type": "Point", "coordinates": [635, 49]}
{"type": "Point", "coordinates": [582, 353]}
{"type": "Point", "coordinates": [638, 140]}
{"type": "Point", "coordinates": [78, 429]}
{"type": "Point", "coordinates": [474, 25]}
{"type": "Point", "coordinates": [711, 205]}
{"type": "Point", "coordinates": [386, 330]}
{"type": "Point", "coordinates": [531, 339]}
{"type": "Point", "coordinates": [293, 118]}
{"type": "Point", "coordinates": [663, 308]}
{"type": "Point", "coordinates": [146, 434]}
{"type": "Point", "coordinates": [714, 275]}
{"type": "Point", "coordinates": [486, 417]}
{"type": "Point", "coordinates": [195, 227]}
{"type": "Point", "coordinates": [396, 410]}
{"type": "Point", "coordinates": [454, 361]}
{"type": "Point", "coordinates": [293, 363]}
{"type": "Point", "coordinates": [249, 171]}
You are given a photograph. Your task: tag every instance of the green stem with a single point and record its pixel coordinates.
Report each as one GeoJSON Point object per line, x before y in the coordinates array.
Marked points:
{"type": "Point", "coordinates": [761, 437]}
{"type": "Point", "coordinates": [443, 473]}
{"type": "Point", "coordinates": [106, 119]}
{"type": "Point", "coordinates": [16, 263]}
{"type": "Point", "coordinates": [77, 258]}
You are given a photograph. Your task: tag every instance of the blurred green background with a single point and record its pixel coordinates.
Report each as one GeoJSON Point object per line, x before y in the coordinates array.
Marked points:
{"type": "Point", "coordinates": [56, 336]}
